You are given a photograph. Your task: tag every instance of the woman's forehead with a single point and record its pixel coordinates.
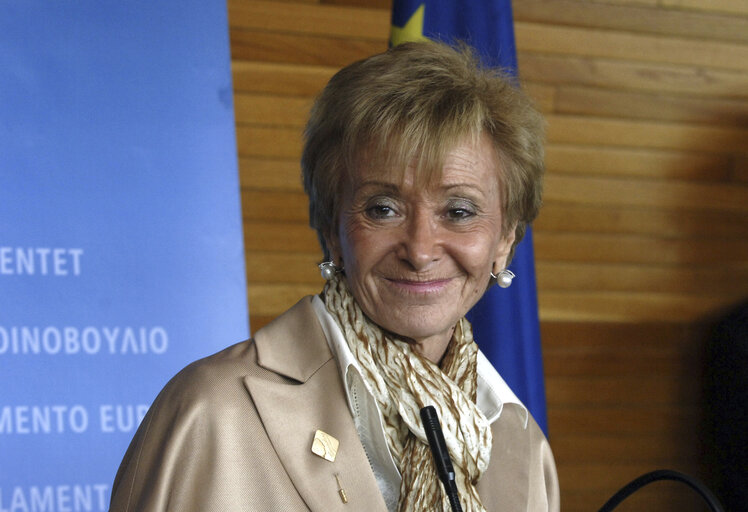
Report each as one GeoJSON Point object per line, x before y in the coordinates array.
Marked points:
{"type": "Point", "coordinates": [425, 167]}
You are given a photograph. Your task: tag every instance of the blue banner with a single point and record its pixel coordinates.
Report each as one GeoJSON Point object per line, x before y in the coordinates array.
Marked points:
{"type": "Point", "coordinates": [121, 252]}
{"type": "Point", "coordinates": [505, 321]}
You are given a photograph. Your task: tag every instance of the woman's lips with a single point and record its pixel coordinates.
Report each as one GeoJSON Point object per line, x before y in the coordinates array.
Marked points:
{"type": "Point", "coordinates": [420, 286]}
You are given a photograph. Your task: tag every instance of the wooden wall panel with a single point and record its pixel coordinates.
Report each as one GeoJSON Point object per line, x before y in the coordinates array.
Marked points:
{"type": "Point", "coordinates": [595, 42]}
{"type": "Point", "coordinates": [609, 132]}
{"type": "Point", "coordinates": [277, 78]}
{"type": "Point", "coordinates": [276, 236]}
{"type": "Point", "coordinates": [300, 48]}
{"type": "Point", "coordinates": [658, 77]}
{"type": "Point", "coordinates": [636, 105]}
{"type": "Point", "coordinates": [631, 18]}
{"type": "Point", "coordinates": [674, 224]}
{"type": "Point", "coordinates": [644, 231]}
{"type": "Point", "coordinates": [667, 195]}
{"type": "Point", "coordinates": [721, 6]}
{"type": "Point", "coordinates": [624, 399]}
{"type": "Point", "coordinates": [322, 20]}
{"type": "Point", "coordinates": [632, 163]}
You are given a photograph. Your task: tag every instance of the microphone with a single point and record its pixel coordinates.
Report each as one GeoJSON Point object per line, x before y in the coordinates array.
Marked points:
{"type": "Point", "coordinates": [443, 462]}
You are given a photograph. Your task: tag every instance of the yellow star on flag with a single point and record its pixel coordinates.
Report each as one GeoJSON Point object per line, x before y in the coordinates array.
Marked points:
{"type": "Point", "coordinates": [411, 31]}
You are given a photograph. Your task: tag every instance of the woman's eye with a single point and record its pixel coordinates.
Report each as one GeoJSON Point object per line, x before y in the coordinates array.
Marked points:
{"type": "Point", "coordinates": [458, 212]}
{"type": "Point", "coordinates": [380, 211]}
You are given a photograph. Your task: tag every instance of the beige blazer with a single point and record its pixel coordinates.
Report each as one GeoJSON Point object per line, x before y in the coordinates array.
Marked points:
{"type": "Point", "coordinates": [233, 432]}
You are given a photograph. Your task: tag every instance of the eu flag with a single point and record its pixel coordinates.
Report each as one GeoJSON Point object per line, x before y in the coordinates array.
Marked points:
{"type": "Point", "coordinates": [505, 321]}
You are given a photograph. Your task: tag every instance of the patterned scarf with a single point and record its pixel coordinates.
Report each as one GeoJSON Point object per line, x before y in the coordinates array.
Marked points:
{"type": "Point", "coordinates": [402, 382]}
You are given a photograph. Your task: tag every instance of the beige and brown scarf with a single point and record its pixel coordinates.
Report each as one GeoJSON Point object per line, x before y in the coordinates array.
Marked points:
{"type": "Point", "coordinates": [402, 382]}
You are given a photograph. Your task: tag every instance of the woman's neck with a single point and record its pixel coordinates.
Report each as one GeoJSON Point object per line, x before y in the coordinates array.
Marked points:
{"type": "Point", "coordinates": [434, 347]}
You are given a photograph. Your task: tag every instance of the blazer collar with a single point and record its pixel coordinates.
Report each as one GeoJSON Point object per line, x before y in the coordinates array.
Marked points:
{"type": "Point", "coordinates": [295, 347]}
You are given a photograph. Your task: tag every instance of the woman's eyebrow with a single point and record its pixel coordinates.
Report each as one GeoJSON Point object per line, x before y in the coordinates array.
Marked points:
{"type": "Point", "coordinates": [462, 186]}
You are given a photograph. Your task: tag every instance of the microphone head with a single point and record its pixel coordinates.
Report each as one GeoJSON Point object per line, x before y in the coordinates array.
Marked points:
{"type": "Point", "coordinates": [438, 445]}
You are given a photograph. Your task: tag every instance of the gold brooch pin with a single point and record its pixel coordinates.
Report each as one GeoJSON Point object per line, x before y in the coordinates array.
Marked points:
{"type": "Point", "coordinates": [341, 491]}
{"type": "Point", "coordinates": [325, 445]}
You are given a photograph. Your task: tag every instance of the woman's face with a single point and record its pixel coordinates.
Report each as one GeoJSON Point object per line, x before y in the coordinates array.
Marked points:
{"type": "Point", "coordinates": [418, 258]}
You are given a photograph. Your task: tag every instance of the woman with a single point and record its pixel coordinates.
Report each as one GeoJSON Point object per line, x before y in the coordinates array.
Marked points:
{"type": "Point", "coordinates": [422, 172]}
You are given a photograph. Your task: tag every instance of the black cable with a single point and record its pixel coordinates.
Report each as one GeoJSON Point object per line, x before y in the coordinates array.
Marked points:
{"type": "Point", "coordinates": [663, 474]}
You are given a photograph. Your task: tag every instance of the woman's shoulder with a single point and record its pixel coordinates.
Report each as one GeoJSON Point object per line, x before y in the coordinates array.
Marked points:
{"type": "Point", "coordinates": [288, 341]}
{"type": "Point", "coordinates": [232, 360]}
{"type": "Point", "coordinates": [210, 382]}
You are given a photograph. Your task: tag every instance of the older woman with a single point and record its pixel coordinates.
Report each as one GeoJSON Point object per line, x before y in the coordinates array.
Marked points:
{"type": "Point", "coordinates": [422, 171]}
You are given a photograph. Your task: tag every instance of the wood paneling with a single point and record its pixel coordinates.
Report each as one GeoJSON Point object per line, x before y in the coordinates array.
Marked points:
{"type": "Point", "coordinates": [679, 164]}
{"type": "Point", "coordinates": [631, 75]}
{"type": "Point", "coordinates": [270, 174]}
{"type": "Point", "coordinates": [707, 6]}
{"type": "Point", "coordinates": [634, 18]}
{"type": "Point", "coordinates": [262, 109]}
{"type": "Point", "coordinates": [673, 224]}
{"type": "Point", "coordinates": [596, 42]}
{"type": "Point", "coordinates": [667, 195]}
{"type": "Point", "coordinates": [300, 49]}
{"type": "Point", "coordinates": [624, 399]}
{"type": "Point", "coordinates": [268, 299]}
{"type": "Point", "coordinates": [644, 231]}
{"type": "Point", "coordinates": [277, 78]}
{"type": "Point", "coordinates": [321, 20]}
{"type": "Point", "coordinates": [268, 141]}
{"type": "Point", "coordinates": [610, 132]}
{"type": "Point", "coordinates": [277, 236]}
{"type": "Point", "coordinates": [638, 105]}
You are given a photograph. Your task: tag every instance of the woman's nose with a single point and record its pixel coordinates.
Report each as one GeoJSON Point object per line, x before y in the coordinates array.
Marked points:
{"type": "Point", "coordinates": [421, 244]}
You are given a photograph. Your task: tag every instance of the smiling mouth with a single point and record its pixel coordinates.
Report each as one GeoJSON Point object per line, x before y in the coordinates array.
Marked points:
{"type": "Point", "coordinates": [419, 286]}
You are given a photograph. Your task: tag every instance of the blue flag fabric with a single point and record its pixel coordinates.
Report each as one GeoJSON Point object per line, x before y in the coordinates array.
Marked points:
{"type": "Point", "coordinates": [505, 321]}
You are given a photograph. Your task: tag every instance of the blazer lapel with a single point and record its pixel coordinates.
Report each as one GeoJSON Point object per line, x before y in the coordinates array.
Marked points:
{"type": "Point", "coordinates": [311, 398]}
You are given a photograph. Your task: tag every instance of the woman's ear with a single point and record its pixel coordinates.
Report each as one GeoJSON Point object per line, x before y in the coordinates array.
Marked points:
{"type": "Point", "coordinates": [503, 250]}
{"type": "Point", "coordinates": [332, 243]}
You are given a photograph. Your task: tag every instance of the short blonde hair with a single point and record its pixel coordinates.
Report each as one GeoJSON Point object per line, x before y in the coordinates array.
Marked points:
{"type": "Point", "coordinates": [414, 103]}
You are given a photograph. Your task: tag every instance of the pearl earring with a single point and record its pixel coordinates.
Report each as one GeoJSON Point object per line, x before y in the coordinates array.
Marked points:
{"type": "Point", "coordinates": [504, 278]}
{"type": "Point", "coordinates": [327, 270]}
